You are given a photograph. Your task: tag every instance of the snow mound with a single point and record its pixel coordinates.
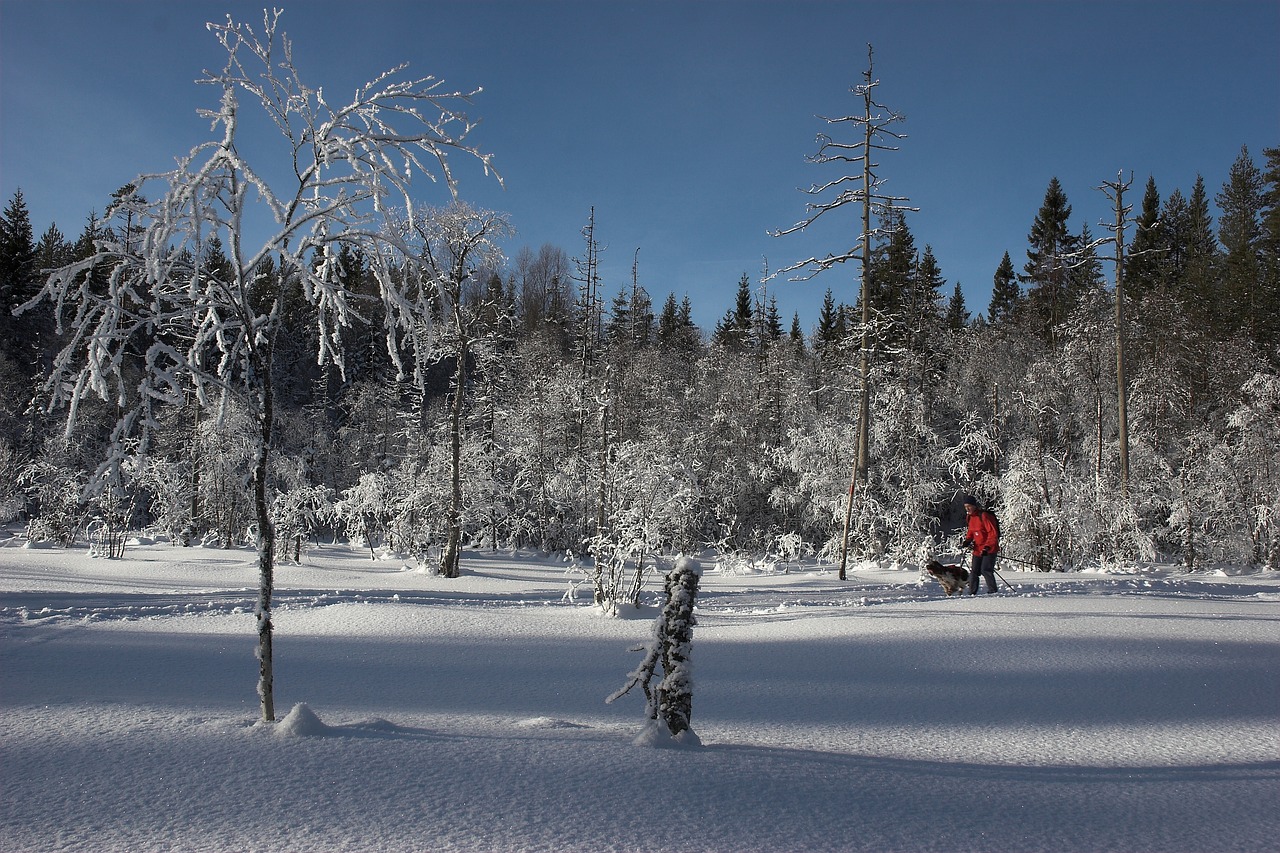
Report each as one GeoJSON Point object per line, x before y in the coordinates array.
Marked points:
{"type": "Point", "coordinates": [656, 736]}
{"type": "Point", "coordinates": [688, 564]}
{"type": "Point", "coordinates": [301, 722]}
{"type": "Point", "coordinates": [548, 723]}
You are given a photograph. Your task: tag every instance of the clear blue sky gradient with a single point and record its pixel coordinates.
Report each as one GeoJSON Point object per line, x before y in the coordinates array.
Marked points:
{"type": "Point", "coordinates": [687, 124]}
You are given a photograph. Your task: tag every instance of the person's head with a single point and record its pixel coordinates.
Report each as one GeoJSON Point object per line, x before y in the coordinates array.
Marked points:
{"type": "Point", "coordinates": [971, 504]}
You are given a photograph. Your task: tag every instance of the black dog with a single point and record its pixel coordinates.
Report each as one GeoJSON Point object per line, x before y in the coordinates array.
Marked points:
{"type": "Point", "coordinates": [952, 578]}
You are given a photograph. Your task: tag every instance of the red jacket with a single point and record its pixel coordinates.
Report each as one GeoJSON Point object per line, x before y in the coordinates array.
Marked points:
{"type": "Point", "coordinates": [983, 533]}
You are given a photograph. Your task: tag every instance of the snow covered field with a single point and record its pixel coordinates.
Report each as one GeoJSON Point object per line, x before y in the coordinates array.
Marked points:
{"type": "Point", "coordinates": [1084, 712]}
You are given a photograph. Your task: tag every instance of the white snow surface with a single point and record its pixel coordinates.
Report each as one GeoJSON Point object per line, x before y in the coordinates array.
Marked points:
{"type": "Point", "coordinates": [1082, 712]}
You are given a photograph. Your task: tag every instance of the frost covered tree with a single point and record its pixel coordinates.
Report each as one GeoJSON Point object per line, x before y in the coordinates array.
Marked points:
{"type": "Point", "coordinates": [213, 332]}
{"type": "Point", "coordinates": [453, 246]}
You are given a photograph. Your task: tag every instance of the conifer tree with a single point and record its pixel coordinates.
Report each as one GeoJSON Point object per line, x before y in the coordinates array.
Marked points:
{"type": "Point", "coordinates": [669, 323]}
{"type": "Point", "coordinates": [1240, 231]}
{"type": "Point", "coordinates": [1269, 246]}
{"type": "Point", "coordinates": [831, 329]}
{"type": "Point", "coordinates": [926, 297]}
{"type": "Point", "coordinates": [893, 265]}
{"type": "Point", "coordinates": [1144, 262]}
{"type": "Point", "coordinates": [957, 315]}
{"type": "Point", "coordinates": [1005, 294]}
{"type": "Point", "coordinates": [18, 281]}
{"type": "Point", "coordinates": [1049, 261]}
{"type": "Point", "coordinates": [17, 254]}
{"type": "Point", "coordinates": [1202, 258]}
{"type": "Point", "coordinates": [796, 334]}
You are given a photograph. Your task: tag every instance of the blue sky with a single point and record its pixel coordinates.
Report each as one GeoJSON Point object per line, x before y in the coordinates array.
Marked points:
{"type": "Point", "coordinates": [687, 124]}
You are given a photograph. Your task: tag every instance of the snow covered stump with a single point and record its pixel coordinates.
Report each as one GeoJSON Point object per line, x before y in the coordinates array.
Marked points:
{"type": "Point", "coordinates": [670, 707]}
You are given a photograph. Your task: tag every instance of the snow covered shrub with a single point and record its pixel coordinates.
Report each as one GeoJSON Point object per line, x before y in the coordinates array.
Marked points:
{"type": "Point", "coordinates": [907, 478]}
{"type": "Point", "coordinates": [670, 706]}
{"type": "Point", "coordinates": [788, 548]}
{"type": "Point", "coordinates": [650, 497]}
{"type": "Point", "coordinates": [813, 497]}
{"type": "Point", "coordinates": [55, 485]}
{"type": "Point", "coordinates": [300, 513]}
{"type": "Point", "coordinates": [365, 510]}
{"type": "Point", "coordinates": [225, 457]}
{"type": "Point", "coordinates": [1031, 528]}
{"type": "Point", "coordinates": [1205, 505]}
{"type": "Point", "coordinates": [167, 487]}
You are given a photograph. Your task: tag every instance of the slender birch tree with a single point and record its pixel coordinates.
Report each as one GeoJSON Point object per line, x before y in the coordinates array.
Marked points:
{"type": "Point", "coordinates": [457, 243]}
{"type": "Point", "coordinates": [213, 332]}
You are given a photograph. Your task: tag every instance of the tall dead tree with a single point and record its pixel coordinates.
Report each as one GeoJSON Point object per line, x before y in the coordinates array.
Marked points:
{"type": "Point", "coordinates": [1115, 191]}
{"type": "Point", "coordinates": [861, 188]}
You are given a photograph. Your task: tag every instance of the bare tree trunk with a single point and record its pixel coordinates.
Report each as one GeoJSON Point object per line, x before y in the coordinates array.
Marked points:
{"type": "Point", "coordinates": [450, 561]}
{"type": "Point", "coordinates": [194, 528]}
{"type": "Point", "coordinates": [864, 357]}
{"type": "Point", "coordinates": [266, 554]}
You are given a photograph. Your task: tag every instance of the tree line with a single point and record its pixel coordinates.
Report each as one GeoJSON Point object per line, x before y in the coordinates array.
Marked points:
{"type": "Point", "coordinates": [407, 387]}
{"type": "Point", "coordinates": [603, 426]}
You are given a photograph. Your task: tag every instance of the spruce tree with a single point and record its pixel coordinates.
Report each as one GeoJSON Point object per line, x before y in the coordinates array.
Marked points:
{"type": "Point", "coordinates": [831, 329]}
{"type": "Point", "coordinates": [957, 315]}
{"type": "Point", "coordinates": [17, 254]}
{"type": "Point", "coordinates": [18, 281]}
{"type": "Point", "coordinates": [927, 292]}
{"type": "Point", "coordinates": [1269, 246]}
{"type": "Point", "coordinates": [893, 265]}
{"type": "Point", "coordinates": [1175, 225]}
{"type": "Point", "coordinates": [1005, 294]}
{"type": "Point", "coordinates": [1144, 262]}
{"type": "Point", "coordinates": [669, 323]}
{"type": "Point", "coordinates": [1198, 286]}
{"type": "Point", "coordinates": [797, 334]}
{"type": "Point", "coordinates": [1049, 259]}
{"type": "Point", "coordinates": [772, 321]}
{"type": "Point", "coordinates": [1240, 230]}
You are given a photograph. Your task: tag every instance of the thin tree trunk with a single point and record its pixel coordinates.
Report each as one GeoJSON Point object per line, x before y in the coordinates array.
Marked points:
{"type": "Point", "coordinates": [266, 554]}
{"type": "Point", "coordinates": [449, 562]}
{"type": "Point", "coordinates": [195, 472]}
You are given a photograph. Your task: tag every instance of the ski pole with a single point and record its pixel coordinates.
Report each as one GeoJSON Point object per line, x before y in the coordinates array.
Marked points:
{"type": "Point", "coordinates": [997, 573]}
{"type": "Point", "coordinates": [1024, 562]}
{"type": "Point", "coordinates": [1006, 583]}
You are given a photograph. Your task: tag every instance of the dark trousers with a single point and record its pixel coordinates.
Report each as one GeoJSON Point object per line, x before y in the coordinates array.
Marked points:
{"type": "Point", "coordinates": [985, 565]}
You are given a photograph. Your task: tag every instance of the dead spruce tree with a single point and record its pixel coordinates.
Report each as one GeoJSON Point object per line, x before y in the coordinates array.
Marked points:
{"type": "Point", "coordinates": [861, 188]}
{"type": "Point", "coordinates": [670, 706]}
{"type": "Point", "coordinates": [210, 330]}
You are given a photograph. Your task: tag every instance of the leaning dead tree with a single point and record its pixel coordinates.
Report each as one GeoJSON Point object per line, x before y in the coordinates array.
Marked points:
{"type": "Point", "coordinates": [859, 188]}
{"type": "Point", "coordinates": [283, 206]}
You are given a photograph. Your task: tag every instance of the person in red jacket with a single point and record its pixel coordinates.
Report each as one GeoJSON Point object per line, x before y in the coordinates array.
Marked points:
{"type": "Point", "coordinates": [983, 538]}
